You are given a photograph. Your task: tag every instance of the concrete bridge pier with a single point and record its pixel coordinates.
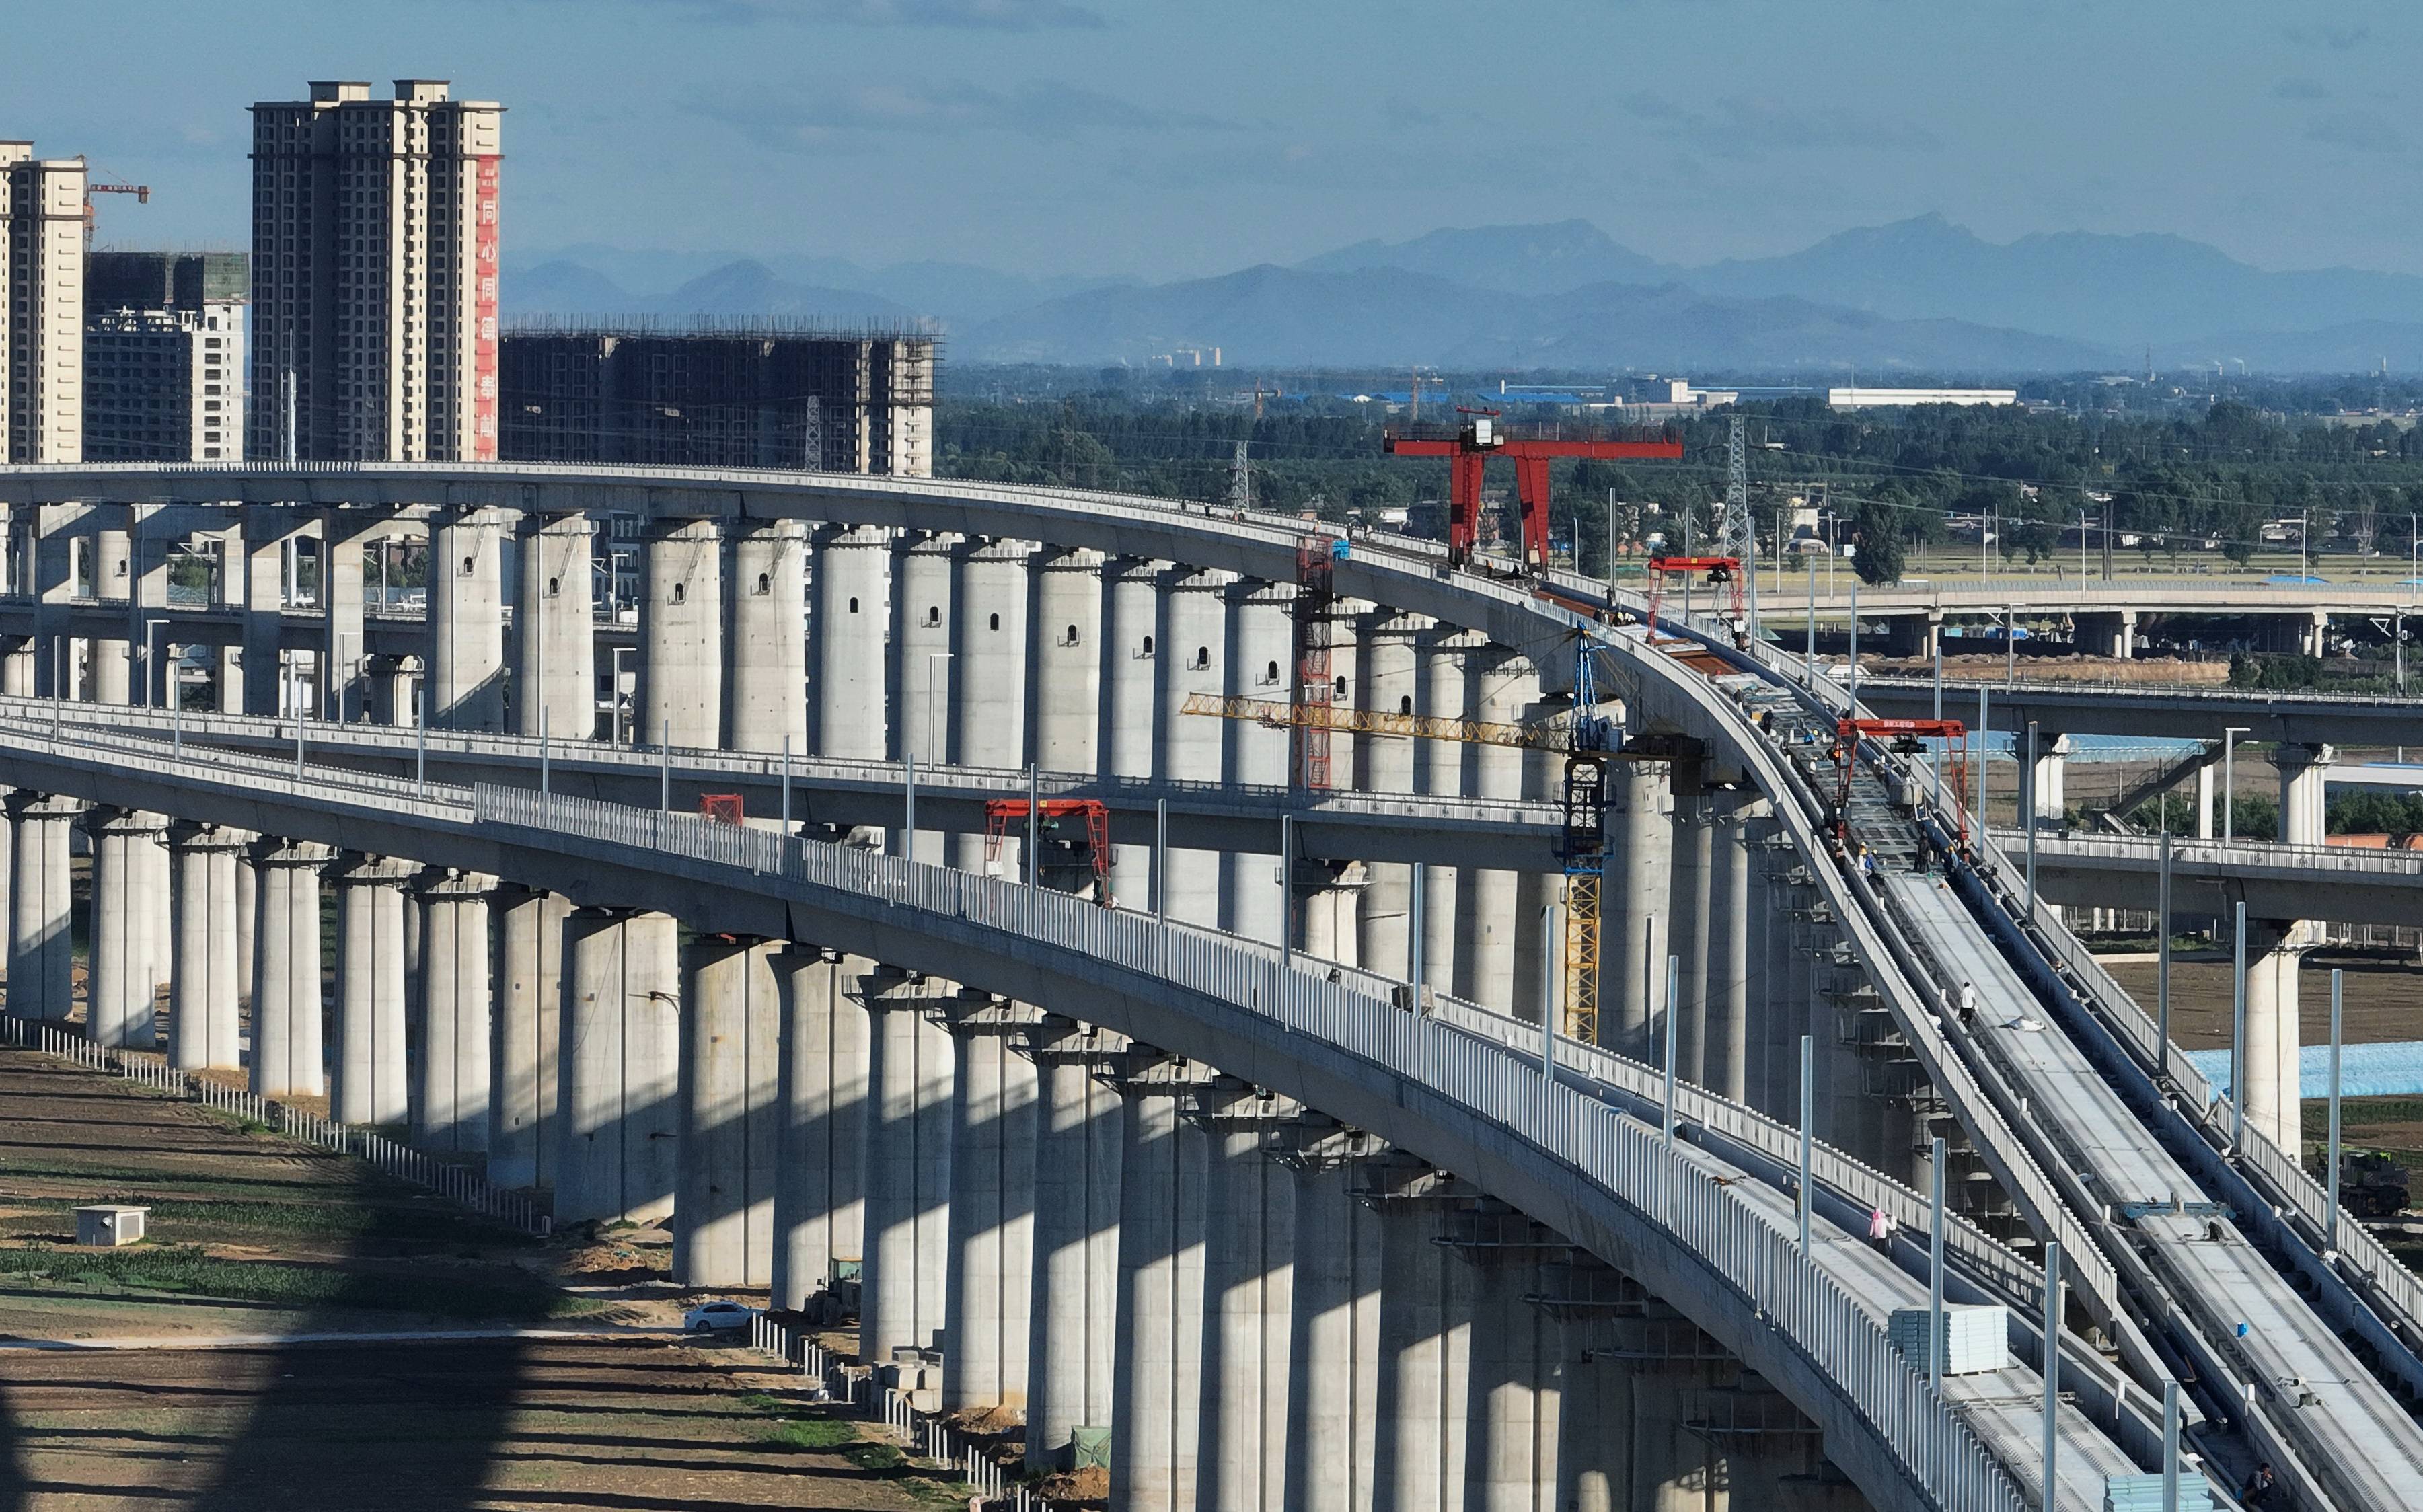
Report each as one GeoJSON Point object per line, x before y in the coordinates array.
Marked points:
{"type": "Point", "coordinates": [1426, 1304]}
{"type": "Point", "coordinates": [528, 929]}
{"type": "Point", "coordinates": [1735, 976]}
{"type": "Point", "coordinates": [990, 681]}
{"type": "Point", "coordinates": [1248, 1288]}
{"type": "Point", "coordinates": [1692, 864]}
{"type": "Point", "coordinates": [2113, 634]}
{"type": "Point", "coordinates": [681, 634]}
{"type": "Point", "coordinates": [1592, 1465]}
{"type": "Point", "coordinates": [1914, 635]}
{"type": "Point", "coordinates": [1441, 770]}
{"type": "Point", "coordinates": [1386, 681]}
{"type": "Point", "coordinates": [989, 1288]}
{"type": "Point", "coordinates": [451, 1113]}
{"type": "Point", "coordinates": [911, 1073]}
{"type": "Point", "coordinates": [1192, 658]}
{"type": "Point", "coordinates": [555, 631]}
{"type": "Point", "coordinates": [394, 690]}
{"type": "Point", "coordinates": [17, 666]}
{"type": "Point", "coordinates": [203, 1031]}
{"type": "Point", "coordinates": [2041, 784]}
{"type": "Point", "coordinates": [769, 650]}
{"type": "Point", "coordinates": [723, 1192]}
{"type": "Point", "coordinates": [110, 669]}
{"type": "Point", "coordinates": [851, 612]}
{"type": "Point", "coordinates": [1334, 1321]}
{"type": "Point", "coordinates": [2274, 949]}
{"type": "Point", "coordinates": [467, 621]}
{"type": "Point", "coordinates": [343, 693]}
{"type": "Point", "coordinates": [1637, 908]}
{"type": "Point", "coordinates": [1068, 661]}
{"type": "Point", "coordinates": [1514, 1398]}
{"type": "Point", "coordinates": [2303, 769]}
{"type": "Point", "coordinates": [923, 662]}
{"type": "Point", "coordinates": [1074, 1312]}
{"type": "Point", "coordinates": [1130, 637]}
{"type": "Point", "coordinates": [1329, 899]}
{"type": "Point", "coordinates": [620, 1098]}
{"type": "Point", "coordinates": [118, 984]}
{"type": "Point", "coordinates": [288, 1056]}
{"type": "Point", "coordinates": [1157, 1368]}
{"type": "Point", "coordinates": [372, 1083]}
{"type": "Point", "coordinates": [265, 541]}
{"type": "Point", "coordinates": [1261, 665]}
{"type": "Point", "coordinates": [1783, 1010]}
{"type": "Point", "coordinates": [822, 1095]}
{"type": "Point", "coordinates": [1502, 689]}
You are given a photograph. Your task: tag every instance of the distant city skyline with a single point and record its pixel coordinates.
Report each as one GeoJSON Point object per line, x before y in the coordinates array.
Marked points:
{"type": "Point", "coordinates": [1052, 136]}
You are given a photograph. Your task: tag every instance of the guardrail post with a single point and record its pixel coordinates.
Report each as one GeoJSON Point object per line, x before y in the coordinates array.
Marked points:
{"type": "Point", "coordinates": [1808, 1101]}
{"type": "Point", "coordinates": [1935, 1334]}
{"type": "Point", "coordinates": [2053, 1289]}
{"type": "Point", "coordinates": [2330, 1156]}
{"type": "Point", "coordinates": [2237, 1035]}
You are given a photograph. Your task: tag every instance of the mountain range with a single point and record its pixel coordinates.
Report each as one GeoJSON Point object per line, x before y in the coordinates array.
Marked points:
{"type": "Point", "coordinates": [1916, 296]}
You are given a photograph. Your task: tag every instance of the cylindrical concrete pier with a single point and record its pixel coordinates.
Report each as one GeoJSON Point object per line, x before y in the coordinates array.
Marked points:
{"type": "Point", "coordinates": [40, 948]}
{"type": "Point", "coordinates": [993, 1109]}
{"type": "Point", "coordinates": [820, 1165]}
{"type": "Point", "coordinates": [1073, 1319]}
{"type": "Point", "coordinates": [681, 634]}
{"type": "Point", "coordinates": [619, 1099]}
{"type": "Point", "coordinates": [770, 648]}
{"type": "Point", "coordinates": [1332, 1338]}
{"type": "Point", "coordinates": [555, 631]}
{"type": "Point", "coordinates": [467, 621]}
{"type": "Point", "coordinates": [908, 1166]}
{"type": "Point", "coordinates": [372, 1084]}
{"type": "Point", "coordinates": [118, 983]}
{"type": "Point", "coordinates": [450, 1114]}
{"type": "Point", "coordinates": [1157, 1380]}
{"type": "Point", "coordinates": [528, 927]}
{"type": "Point", "coordinates": [851, 584]}
{"type": "Point", "coordinates": [723, 1203]}
{"type": "Point", "coordinates": [203, 1029]}
{"type": "Point", "coordinates": [287, 1058]}
{"type": "Point", "coordinates": [1248, 1290]}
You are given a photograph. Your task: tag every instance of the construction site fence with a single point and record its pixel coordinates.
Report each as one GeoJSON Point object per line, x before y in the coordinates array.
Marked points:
{"type": "Point", "coordinates": [452, 1182]}
{"type": "Point", "coordinates": [924, 1437]}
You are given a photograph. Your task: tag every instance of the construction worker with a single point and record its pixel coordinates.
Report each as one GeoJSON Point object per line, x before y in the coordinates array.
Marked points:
{"type": "Point", "coordinates": [1968, 1004]}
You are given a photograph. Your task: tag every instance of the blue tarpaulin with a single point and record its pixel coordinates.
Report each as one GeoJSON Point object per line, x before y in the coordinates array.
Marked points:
{"type": "Point", "coordinates": [2393, 1068]}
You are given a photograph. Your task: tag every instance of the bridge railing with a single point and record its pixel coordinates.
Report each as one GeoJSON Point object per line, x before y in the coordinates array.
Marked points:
{"type": "Point", "coordinates": [2390, 865]}
{"type": "Point", "coordinates": [1740, 1248]}
{"type": "Point", "coordinates": [456, 1183]}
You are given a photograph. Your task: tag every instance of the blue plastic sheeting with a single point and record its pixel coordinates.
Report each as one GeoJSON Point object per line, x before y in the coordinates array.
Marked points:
{"type": "Point", "coordinates": [2393, 1068]}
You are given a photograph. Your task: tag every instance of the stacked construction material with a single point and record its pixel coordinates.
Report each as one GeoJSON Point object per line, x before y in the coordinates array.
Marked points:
{"type": "Point", "coordinates": [2144, 1493]}
{"type": "Point", "coordinates": [1977, 1337]}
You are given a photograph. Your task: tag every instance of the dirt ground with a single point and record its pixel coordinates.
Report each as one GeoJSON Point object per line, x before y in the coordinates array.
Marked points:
{"type": "Point", "coordinates": [2383, 997]}
{"type": "Point", "coordinates": [583, 1396]}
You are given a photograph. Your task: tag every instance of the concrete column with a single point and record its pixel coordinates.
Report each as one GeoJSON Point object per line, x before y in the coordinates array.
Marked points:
{"type": "Point", "coordinates": [1073, 1314]}
{"type": "Point", "coordinates": [923, 670]}
{"type": "Point", "coordinates": [287, 1055]}
{"type": "Point", "coordinates": [393, 687]}
{"type": "Point", "coordinates": [1499, 686]}
{"type": "Point", "coordinates": [203, 1029]}
{"type": "Point", "coordinates": [243, 880]}
{"type": "Point", "coordinates": [1067, 661]}
{"type": "Point", "coordinates": [1261, 665]}
{"type": "Point", "coordinates": [1440, 768]}
{"type": "Point", "coordinates": [1386, 682]}
{"type": "Point", "coordinates": [1192, 658]}
{"type": "Point", "coordinates": [466, 620]}
{"type": "Point", "coordinates": [681, 634]}
{"type": "Point", "coordinates": [41, 951]}
{"type": "Point", "coordinates": [458, 1020]}
{"type": "Point", "coordinates": [1334, 1327]}
{"type": "Point", "coordinates": [991, 1282]}
{"type": "Point", "coordinates": [1425, 1340]}
{"type": "Point", "coordinates": [1736, 981]}
{"type": "Point", "coordinates": [1636, 904]}
{"type": "Point", "coordinates": [908, 1166]}
{"type": "Point", "coordinates": [1594, 1396]}
{"type": "Point", "coordinates": [820, 1169]}
{"type": "Point", "coordinates": [2204, 827]}
{"type": "Point", "coordinates": [373, 1084]}
{"type": "Point", "coordinates": [1785, 1016]}
{"type": "Point", "coordinates": [152, 856]}
{"type": "Point", "coordinates": [989, 658]}
{"type": "Point", "coordinates": [2304, 770]}
{"type": "Point", "coordinates": [1157, 1376]}
{"type": "Point", "coordinates": [2111, 634]}
{"type": "Point", "coordinates": [723, 1203]}
{"type": "Point", "coordinates": [2274, 947]}
{"type": "Point", "coordinates": [113, 582]}
{"type": "Point", "coordinates": [555, 631]}
{"type": "Point", "coordinates": [118, 984]}
{"type": "Point", "coordinates": [1688, 938]}
{"type": "Point", "coordinates": [620, 1103]}
{"type": "Point", "coordinates": [344, 653]}
{"type": "Point", "coordinates": [2314, 638]}
{"type": "Point", "coordinates": [522, 1110]}
{"type": "Point", "coordinates": [1513, 1397]}
{"type": "Point", "coordinates": [1249, 1289]}
{"type": "Point", "coordinates": [17, 666]}
{"type": "Point", "coordinates": [1130, 648]}
{"type": "Point", "coordinates": [850, 584]}
{"type": "Point", "coordinates": [263, 544]}
{"type": "Point", "coordinates": [769, 646]}
{"type": "Point", "coordinates": [2041, 785]}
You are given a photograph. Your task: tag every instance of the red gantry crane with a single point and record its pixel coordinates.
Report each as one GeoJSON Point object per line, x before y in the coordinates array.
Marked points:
{"type": "Point", "coordinates": [1468, 445]}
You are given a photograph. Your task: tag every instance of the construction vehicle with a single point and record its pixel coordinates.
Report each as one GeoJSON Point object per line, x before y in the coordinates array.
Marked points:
{"type": "Point", "coordinates": [1078, 852]}
{"type": "Point", "coordinates": [1723, 571]}
{"type": "Point", "coordinates": [1905, 738]}
{"type": "Point", "coordinates": [2371, 1185]}
{"type": "Point", "coordinates": [1475, 439]}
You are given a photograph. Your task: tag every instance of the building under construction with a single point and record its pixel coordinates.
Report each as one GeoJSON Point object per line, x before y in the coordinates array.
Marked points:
{"type": "Point", "coordinates": [823, 400]}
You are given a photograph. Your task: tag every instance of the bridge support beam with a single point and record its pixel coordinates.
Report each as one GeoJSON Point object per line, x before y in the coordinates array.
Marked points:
{"type": "Point", "coordinates": [821, 1171]}
{"type": "Point", "coordinates": [522, 1110]}
{"type": "Point", "coordinates": [1425, 1337]}
{"type": "Point", "coordinates": [923, 662]}
{"type": "Point", "coordinates": [1248, 1286]}
{"type": "Point", "coordinates": [1514, 1401]}
{"type": "Point", "coordinates": [555, 631]}
{"type": "Point", "coordinates": [770, 648]}
{"type": "Point", "coordinates": [1080, 1132]}
{"type": "Point", "coordinates": [1439, 771]}
{"type": "Point", "coordinates": [1503, 688]}
{"type": "Point", "coordinates": [1636, 903]}
{"type": "Point", "coordinates": [901, 1294]}
{"type": "Point", "coordinates": [723, 1201]}
{"type": "Point", "coordinates": [288, 1054]}
{"type": "Point", "coordinates": [1194, 653]}
{"type": "Point", "coordinates": [1691, 938]}
{"type": "Point", "coordinates": [990, 1284]}
{"type": "Point", "coordinates": [370, 1084]}
{"type": "Point", "coordinates": [1385, 682]}
{"type": "Point", "coordinates": [850, 584]}
{"type": "Point", "coordinates": [458, 1020]}
{"type": "Point", "coordinates": [1157, 1375]}
{"type": "Point", "coordinates": [621, 1086]}
{"type": "Point", "coordinates": [1734, 980]}
{"type": "Point", "coordinates": [1333, 1329]}
{"type": "Point", "coordinates": [203, 1027]}
{"type": "Point", "coordinates": [681, 634]}
{"type": "Point", "coordinates": [125, 916]}
{"type": "Point", "coordinates": [1260, 663]}
{"type": "Point", "coordinates": [1131, 646]}
{"type": "Point", "coordinates": [1067, 661]}
{"type": "Point", "coordinates": [467, 621]}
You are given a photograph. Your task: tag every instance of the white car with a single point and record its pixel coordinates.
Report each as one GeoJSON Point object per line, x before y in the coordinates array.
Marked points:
{"type": "Point", "coordinates": [715, 1317]}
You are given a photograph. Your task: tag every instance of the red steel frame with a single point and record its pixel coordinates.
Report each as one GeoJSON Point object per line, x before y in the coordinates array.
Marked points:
{"type": "Point", "coordinates": [1468, 449]}
{"type": "Point", "coordinates": [1097, 814]}
{"type": "Point", "coordinates": [1849, 733]}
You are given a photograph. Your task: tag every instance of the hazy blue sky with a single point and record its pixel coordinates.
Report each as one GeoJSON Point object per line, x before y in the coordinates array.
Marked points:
{"type": "Point", "coordinates": [1178, 139]}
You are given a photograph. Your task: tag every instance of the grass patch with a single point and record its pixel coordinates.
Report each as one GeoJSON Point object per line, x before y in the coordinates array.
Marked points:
{"type": "Point", "coordinates": [186, 1271]}
{"type": "Point", "coordinates": [815, 1433]}
{"type": "Point", "coordinates": [339, 1220]}
{"type": "Point", "coordinates": [875, 1457]}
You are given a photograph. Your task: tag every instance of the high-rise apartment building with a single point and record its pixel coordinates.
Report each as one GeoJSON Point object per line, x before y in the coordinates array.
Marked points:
{"type": "Point", "coordinates": [164, 357]}
{"type": "Point", "coordinates": [826, 401]}
{"type": "Point", "coordinates": [41, 306]}
{"type": "Point", "coordinates": [374, 229]}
